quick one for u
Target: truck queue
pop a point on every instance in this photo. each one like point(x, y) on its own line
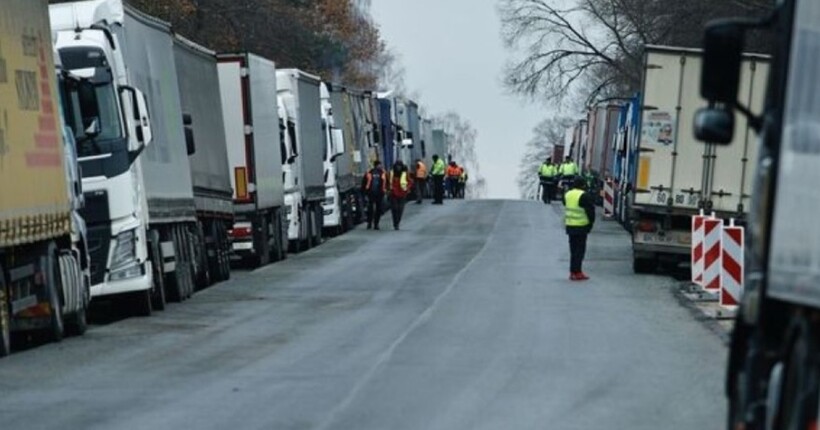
point(151, 163)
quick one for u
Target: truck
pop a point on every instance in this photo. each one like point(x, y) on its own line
point(136, 176)
point(602, 121)
point(772, 373)
point(198, 78)
point(300, 100)
point(558, 153)
point(44, 279)
point(257, 148)
point(675, 178)
point(339, 181)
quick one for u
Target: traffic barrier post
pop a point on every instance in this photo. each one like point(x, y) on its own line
point(731, 283)
point(712, 238)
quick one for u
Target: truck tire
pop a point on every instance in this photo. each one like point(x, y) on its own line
point(203, 273)
point(278, 239)
point(262, 257)
point(225, 252)
point(76, 323)
point(312, 224)
point(5, 316)
point(644, 265)
point(51, 268)
point(798, 400)
point(158, 293)
point(176, 287)
point(319, 217)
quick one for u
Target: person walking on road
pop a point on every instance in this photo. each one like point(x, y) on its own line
point(421, 181)
point(567, 172)
point(462, 182)
point(546, 176)
point(452, 179)
point(400, 186)
point(579, 217)
point(375, 186)
point(437, 173)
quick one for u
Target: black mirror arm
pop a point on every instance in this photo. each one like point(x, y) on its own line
point(755, 121)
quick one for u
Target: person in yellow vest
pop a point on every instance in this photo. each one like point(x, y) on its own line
point(567, 171)
point(579, 217)
point(421, 181)
point(462, 182)
point(437, 173)
point(546, 176)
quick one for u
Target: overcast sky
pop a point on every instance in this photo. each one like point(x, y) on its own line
point(454, 57)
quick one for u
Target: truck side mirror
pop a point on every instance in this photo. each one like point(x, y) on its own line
point(715, 125)
point(338, 141)
point(722, 56)
point(187, 122)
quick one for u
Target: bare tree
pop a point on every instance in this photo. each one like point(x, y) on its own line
point(595, 47)
point(462, 150)
point(546, 134)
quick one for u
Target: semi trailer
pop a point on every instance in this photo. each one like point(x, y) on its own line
point(300, 99)
point(339, 182)
point(258, 147)
point(198, 78)
point(44, 264)
point(676, 178)
point(139, 199)
point(772, 379)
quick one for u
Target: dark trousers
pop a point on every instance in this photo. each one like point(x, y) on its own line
point(438, 189)
point(397, 209)
point(375, 207)
point(577, 250)
point(547, 190)
point(421, 188)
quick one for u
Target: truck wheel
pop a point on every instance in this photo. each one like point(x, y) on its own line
point(51, 268)
point(263, 254)
point(5, 317)
point(158, 294)
point(176, 288)
point(798, 402)
point(76, 322)
point(644, 265)
point(308, 226)
point(278, 240)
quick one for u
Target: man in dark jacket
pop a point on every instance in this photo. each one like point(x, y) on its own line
point(374, 187)
point(579, 217)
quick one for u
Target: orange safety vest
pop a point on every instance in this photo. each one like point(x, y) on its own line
point(453, 171)
point(421, 170)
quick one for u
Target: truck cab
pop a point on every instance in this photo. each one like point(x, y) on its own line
point(334, 206)
point(294, 210)
point(114, 130)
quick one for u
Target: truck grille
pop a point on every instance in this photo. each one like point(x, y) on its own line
point(99, 240)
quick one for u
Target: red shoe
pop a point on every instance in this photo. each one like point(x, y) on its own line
point(581, 276)
point(573, 276)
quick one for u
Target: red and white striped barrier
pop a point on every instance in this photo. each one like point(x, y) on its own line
point(731, 285)
point(609, 199)
point(712, 237)
point(697, 249)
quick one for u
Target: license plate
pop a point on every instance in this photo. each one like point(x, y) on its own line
point(242, 246)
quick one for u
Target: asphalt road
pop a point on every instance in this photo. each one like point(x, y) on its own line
point(462, 320)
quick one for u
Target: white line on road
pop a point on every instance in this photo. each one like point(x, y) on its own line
point(385, 356)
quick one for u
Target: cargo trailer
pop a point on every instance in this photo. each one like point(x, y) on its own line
point(676, 177)
point(256, 152)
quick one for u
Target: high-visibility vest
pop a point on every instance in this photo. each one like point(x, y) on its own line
point(547, 170)
point(421, 170)
point(452, 171)
point(574, 214)
point(438, 168)
point(403, 183)
point(569, 168)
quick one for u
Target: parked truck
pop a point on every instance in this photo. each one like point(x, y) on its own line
point(201, 102)
point(339, 181)
point(772, 380)
point(139, 198)
point(258, 147)
point(44, 282)
point(304, 179)
point(675, 178)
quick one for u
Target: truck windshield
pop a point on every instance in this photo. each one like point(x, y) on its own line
point(94, 106)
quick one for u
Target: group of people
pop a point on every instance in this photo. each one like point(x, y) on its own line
point(550, 175)
point(399, 183)
point(579, 209)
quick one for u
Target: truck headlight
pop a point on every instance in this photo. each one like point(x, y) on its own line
point(124, 263)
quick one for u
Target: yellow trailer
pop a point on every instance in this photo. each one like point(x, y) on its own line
point(40, 261)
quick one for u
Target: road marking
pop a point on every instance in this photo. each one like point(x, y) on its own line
point(387, 354)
